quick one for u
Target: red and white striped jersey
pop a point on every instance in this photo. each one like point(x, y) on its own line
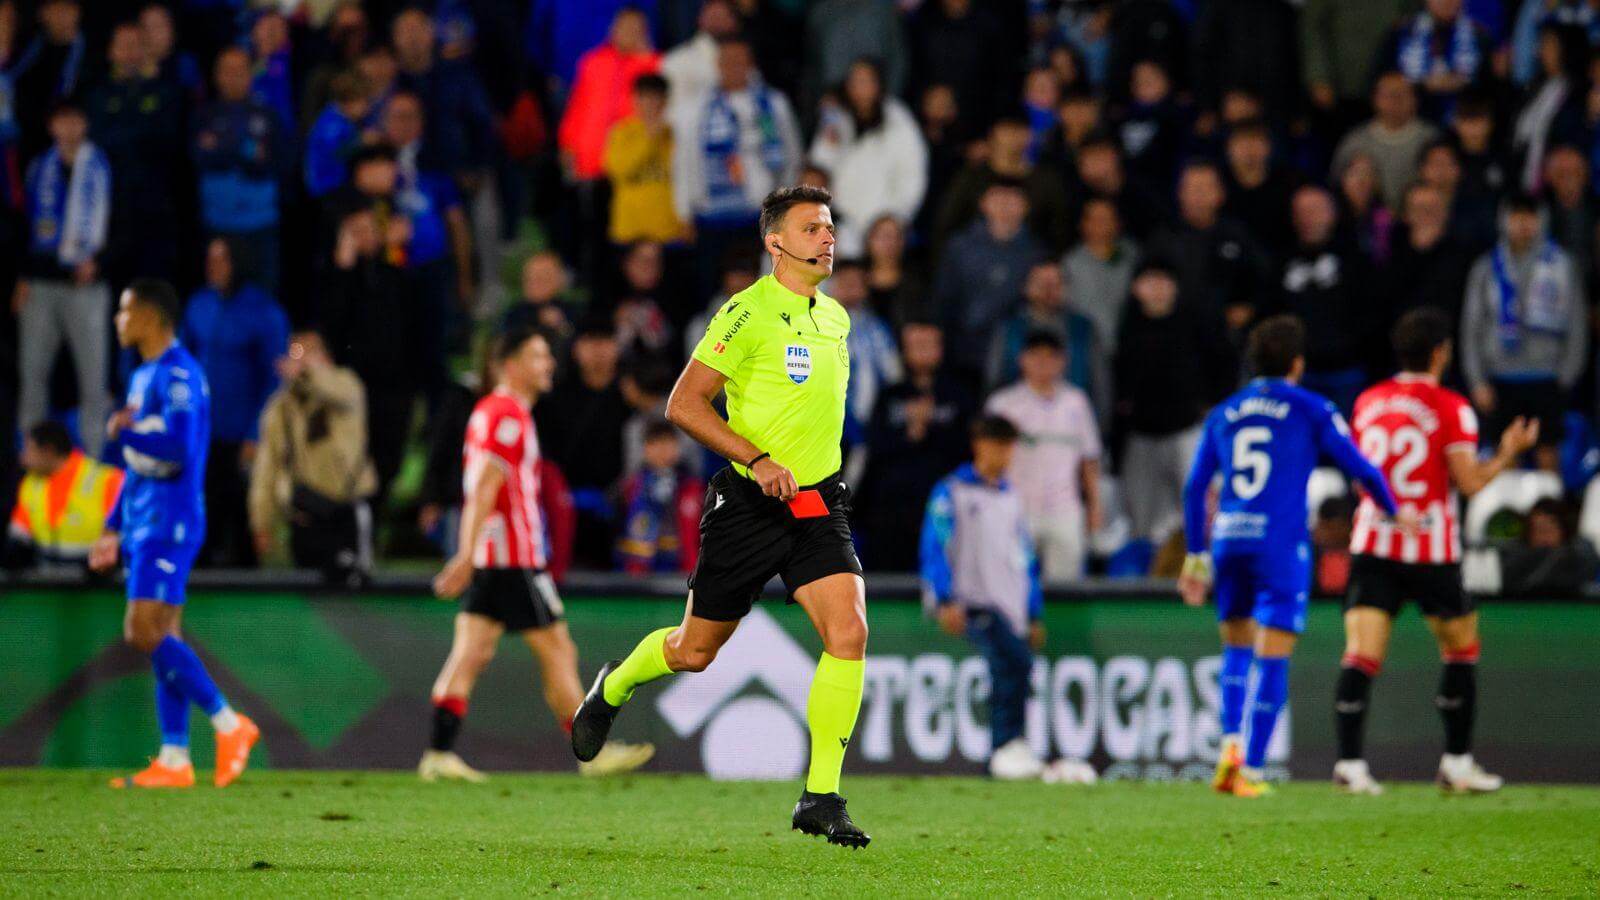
point(501, 433)
point(1407, 427)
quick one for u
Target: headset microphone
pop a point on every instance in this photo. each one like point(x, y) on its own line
point(808, 260)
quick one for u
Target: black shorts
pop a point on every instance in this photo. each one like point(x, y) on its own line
point(747, 537)
point(1538, 399)
point(519, 599)
point(1387, 584)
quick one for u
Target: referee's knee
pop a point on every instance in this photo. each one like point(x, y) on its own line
point(846, 638)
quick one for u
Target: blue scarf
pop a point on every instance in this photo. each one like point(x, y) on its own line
point(719, 138)
point(1416, 59)
point(69, 71)
point(1544, 309)
point(68, 216)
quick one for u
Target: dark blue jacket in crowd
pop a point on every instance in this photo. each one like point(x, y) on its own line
point(560, 31)
point(425, 198)
point(237, 338)
point(329, 145)
point(240, 153)
point(460, 127)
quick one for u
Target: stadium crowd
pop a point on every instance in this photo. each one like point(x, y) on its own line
point(1065, 212)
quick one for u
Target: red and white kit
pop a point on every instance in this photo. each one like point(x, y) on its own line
point(501, 433)
point(1407, 426)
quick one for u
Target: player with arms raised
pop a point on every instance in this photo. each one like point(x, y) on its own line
point(1265, 440)
point(1425, 439)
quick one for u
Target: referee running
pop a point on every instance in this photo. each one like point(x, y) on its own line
point(780, 508)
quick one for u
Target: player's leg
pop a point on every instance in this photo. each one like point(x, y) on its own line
point(1235, 592)
point(1366, 646)
point(144, 625)
point(472, 647)
point(837, 606)
point(1280, 614)
point(557, 659)
point(1457, 701)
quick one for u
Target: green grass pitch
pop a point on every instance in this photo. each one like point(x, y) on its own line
point(62, 832)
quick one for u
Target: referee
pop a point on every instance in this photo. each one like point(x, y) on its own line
point(780, 508)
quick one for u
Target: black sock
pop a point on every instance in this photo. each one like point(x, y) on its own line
point(446, 725)
point(1458, 704)
point(1350, 710)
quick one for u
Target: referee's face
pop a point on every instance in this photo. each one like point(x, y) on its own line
point(808, 232)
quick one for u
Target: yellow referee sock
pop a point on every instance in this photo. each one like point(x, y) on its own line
point(645, 664)
point(831, 712)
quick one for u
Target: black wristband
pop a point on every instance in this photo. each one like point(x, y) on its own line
point(751, 464)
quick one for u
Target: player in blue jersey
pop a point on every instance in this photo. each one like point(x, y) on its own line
point(158, 525)
point(1264, 440)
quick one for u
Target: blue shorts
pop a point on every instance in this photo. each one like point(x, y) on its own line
point(160, 571)
point(1272, 586)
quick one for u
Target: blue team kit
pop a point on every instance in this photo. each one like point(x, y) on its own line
point(161, 512)
point(1265, 440)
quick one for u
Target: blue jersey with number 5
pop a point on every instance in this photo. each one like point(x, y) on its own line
point(1265, 440)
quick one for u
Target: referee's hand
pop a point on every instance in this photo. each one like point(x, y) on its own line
point(775, 480)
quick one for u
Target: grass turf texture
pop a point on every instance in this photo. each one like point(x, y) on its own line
point(341, 833)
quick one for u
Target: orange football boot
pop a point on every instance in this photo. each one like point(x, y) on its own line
point(158, 776)
point(1228, 765)
point(233, 751)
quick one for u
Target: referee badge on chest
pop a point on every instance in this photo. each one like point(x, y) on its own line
point(797, 362)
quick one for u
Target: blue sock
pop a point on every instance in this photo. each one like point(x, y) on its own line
point(1233, 679)
point(1272, 690)
point(177, 665)
point(172, 711)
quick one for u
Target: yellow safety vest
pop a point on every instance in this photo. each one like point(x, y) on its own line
point(64, 513)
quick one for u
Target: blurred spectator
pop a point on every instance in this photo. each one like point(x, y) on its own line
point(942, 134)
point(62, 294)
point(62, 502)
point(1007, 160)
point(1144, 29)
point(871, 146)
point(839, 32)
point(1151, 129)
point(543, 302)
point(242, 154)
point(1472, 223)
point(1249, 44)
point(1077, 119)
point(638, 160)
point(51, 68)
point(1393, 138)
point(580, 428)
point(1099, 270)
point(1085, 30)
point(1041, 91)
point(741, 143)
point(559, 32)
point(1553, 110)
point(642, 325)
point(690, 69)
point(1571, 207)
point(645, 383)
point(378, 66)
point(980, 276)
point(1160, 406)
point(602, 93)
point(960, 43)
point(164, 59)
point(138, 122)
point(1442, 51)
point(1046, 310)
point(1524, 331)
point(874, 356)
point(1221, 268)
point(1056, 469)
point(1532, 19)
point(660, 503)
point(1427, 267)
point(336, 134)
point(271, 85)
point(917, 434)
point(1100, 175)
point(238, 334)
point(1339, 39)
point(896, 291)
point(1484, 174)
point(1258, 191)
point(348, 36)
point(460, 124)
point(371, 317)
point(1330, 287)
point(1551, 560)
point(312, 468)
point(1361, 209)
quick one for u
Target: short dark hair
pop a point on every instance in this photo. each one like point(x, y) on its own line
point(1522, 203)
point(778, 203)
point(1417, 335)
point(1275, 344)
point(66, 107)
point(371, 153)
point(650, 83)
point(509, 342)
point(1251, 127)
point(1042, 338)
point(52, 436)
point(991, 427)
point(1557, 509)
point(659, 429)
point(159, 296)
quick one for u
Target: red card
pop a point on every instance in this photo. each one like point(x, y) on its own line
point(808, 505)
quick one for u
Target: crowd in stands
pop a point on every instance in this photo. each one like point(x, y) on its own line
point(1064, 212)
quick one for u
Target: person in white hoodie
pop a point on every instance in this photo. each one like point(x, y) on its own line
point(871, 146)
point(690, 68)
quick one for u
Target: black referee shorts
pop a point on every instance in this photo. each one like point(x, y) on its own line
point(519, 599)
point(747, 537)
point(1387, 584)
